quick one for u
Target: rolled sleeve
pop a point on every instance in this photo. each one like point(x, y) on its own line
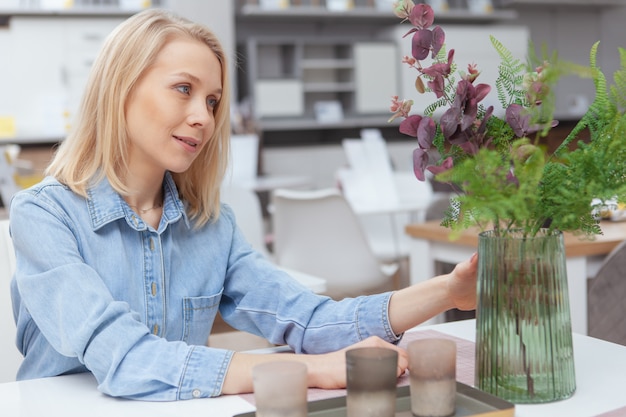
point(204, 373)
point(373, 318)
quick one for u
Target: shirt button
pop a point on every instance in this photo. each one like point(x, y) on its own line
point(196, 393)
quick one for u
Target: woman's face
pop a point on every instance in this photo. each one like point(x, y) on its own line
point(170, 112)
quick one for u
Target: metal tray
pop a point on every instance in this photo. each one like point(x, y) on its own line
point(470, 402)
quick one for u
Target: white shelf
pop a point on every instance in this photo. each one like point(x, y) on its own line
point(70, 12)
point(323, 87)
point(31, 140)
point(586, 3)
point(311, 13)
point(347, 122)
point(327, 63)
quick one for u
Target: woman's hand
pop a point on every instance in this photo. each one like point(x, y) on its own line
point(326, 370)
point(413, 305)
point(330, 369)
point(462, 284)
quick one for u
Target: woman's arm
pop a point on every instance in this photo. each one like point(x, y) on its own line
point(407, 308)
point(418, 303)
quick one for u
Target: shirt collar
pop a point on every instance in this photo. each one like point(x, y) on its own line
point(106, 205)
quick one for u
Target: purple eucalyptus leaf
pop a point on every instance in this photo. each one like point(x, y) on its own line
point(422, 16)
point(437, 86)
point(459, 137)
point(450, 59)
point(421, 44)
point(469, 147)
point(449, 121)
point(440, 68)
point(426, 132)
point(420, 162)
point(439, 38)
point(446, 165)
point(481, 91)
point(409, 125)
point(469, 113)
point(462, 89)
point(511, 178)
point(483, 124)
point(517, 119)
point(537, 127)
point(413, 30)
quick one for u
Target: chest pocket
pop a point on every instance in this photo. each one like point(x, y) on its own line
point(199, 314)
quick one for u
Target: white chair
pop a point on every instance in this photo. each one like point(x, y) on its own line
point(244, 159)
point(317, 232)
point(247, 208)
point(8, 170)
point(10, 357)
point(385, 200)
point(372, 180)
point(384, 223)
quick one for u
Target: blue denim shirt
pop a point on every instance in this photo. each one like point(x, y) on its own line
point(97, 289)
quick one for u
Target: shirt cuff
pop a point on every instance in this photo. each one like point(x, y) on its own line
point(204, 372)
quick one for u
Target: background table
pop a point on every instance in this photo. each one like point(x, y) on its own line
point(430, 242)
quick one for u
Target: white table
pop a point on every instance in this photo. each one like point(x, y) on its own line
point(430, 242)
point(600, 370)
point(268, 183)
point(315, 284)
point(384, 226)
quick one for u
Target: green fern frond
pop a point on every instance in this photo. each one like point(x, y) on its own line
point(600, 110)
point(510, 78)
point(432, 107)
point(618, 89)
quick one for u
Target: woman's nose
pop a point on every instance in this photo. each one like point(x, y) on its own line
point(200, 114)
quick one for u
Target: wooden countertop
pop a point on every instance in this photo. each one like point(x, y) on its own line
point(613, 233)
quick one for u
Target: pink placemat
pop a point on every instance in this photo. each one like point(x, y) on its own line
point(620, 412)
point(464, 366)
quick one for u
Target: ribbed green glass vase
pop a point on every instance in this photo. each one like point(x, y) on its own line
point(524, 350)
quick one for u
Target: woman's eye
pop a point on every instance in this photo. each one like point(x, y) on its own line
point(185, 89)
point(212, 102)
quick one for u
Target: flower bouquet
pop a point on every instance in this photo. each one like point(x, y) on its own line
point(519, 195)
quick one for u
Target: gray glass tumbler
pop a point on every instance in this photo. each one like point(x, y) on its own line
point(432, 372)
point(371, 381)
point(280, 389)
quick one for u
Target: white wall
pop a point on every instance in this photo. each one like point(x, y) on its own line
point(572, 31)
point(44, 69)
point(45, 60)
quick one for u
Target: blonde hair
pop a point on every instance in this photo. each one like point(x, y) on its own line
point(97, 146)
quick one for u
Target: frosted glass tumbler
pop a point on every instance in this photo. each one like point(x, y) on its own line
point(432, 373)
point(371, 374)
point(280, 389)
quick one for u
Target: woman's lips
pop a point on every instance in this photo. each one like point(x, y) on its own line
point(190, 144)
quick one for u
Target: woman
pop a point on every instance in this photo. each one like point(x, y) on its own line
point(124, 254)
